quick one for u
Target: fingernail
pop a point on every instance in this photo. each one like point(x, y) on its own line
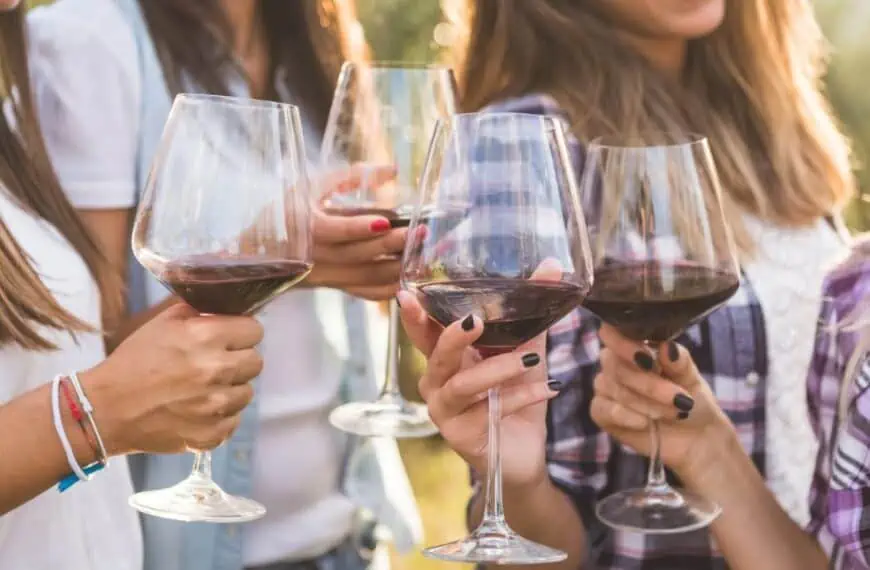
point(468, 323)
point(684, 402)
point(531, 359)
point(643, 360)
point(682, 415)
point(673, 351)
point(554, 385)
point(379, 226)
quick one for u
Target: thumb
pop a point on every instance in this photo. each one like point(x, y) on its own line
point(421, 330)
point(677, 365)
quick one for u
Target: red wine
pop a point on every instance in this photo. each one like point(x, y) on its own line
point(219, 286)
point(655, 302)
point(513, 311)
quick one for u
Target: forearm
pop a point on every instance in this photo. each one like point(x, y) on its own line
point(752, 531)
point(33, 458)
point(545, 515)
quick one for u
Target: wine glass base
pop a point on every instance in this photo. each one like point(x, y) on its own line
point(650, 511)
point(197, 500)
point(496, 549)
point(384, 419)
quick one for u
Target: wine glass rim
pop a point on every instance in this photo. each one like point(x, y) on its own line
point(235, 101)
point(682, 139)
point(391, 64)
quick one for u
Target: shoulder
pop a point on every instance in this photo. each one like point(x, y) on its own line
point(847, 285)
point(92, 31)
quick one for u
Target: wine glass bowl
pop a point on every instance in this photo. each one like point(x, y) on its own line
point(509, 246)
point(225, 223)
point(664, 259)
point(383, 114)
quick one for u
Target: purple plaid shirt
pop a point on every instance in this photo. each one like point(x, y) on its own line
point(840, 495)
point(729, 348)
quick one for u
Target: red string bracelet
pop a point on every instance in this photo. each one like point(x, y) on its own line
point(77, 413)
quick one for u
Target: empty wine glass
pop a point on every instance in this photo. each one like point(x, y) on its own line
point(664, 259)
point(225, 224)
point(384, 114)
point(508, 245)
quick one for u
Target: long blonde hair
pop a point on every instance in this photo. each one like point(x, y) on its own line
point(754, 87)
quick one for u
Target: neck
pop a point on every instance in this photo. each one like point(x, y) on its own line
point(668, 55)
point(242, 17)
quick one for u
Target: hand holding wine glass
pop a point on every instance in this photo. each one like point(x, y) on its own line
point(511, 261)
point(627, 395)
point(225, 223)
point(664, 259)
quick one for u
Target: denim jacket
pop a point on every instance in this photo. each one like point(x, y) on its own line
point(373, 478)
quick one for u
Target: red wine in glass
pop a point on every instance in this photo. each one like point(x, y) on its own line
point(653, 301)
point(218, 286)
point(513, 311)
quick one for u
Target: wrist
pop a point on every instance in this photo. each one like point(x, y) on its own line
point(108, 413)
point(718, 449)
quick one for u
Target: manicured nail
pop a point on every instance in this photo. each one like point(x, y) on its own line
point(554, 385)
point(683, 415)
point(673, 351)
point(468, 323)
point(684, 402)
point(379, 226)
point(531, 359)
point(644, 360)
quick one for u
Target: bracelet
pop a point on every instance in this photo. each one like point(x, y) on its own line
point(76, 412)
point(61, 432)
point(89, 412)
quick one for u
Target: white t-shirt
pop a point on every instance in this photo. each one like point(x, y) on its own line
point(89, 527)
point(87, 88)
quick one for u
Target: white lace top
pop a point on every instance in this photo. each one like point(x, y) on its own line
point(787, 274)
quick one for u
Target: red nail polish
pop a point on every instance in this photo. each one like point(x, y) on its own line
point(379, 226)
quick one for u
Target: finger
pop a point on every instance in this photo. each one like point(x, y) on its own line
point(471, 385)
point(446, 358)
point(375, 273)
point(608, 388)
point(645, 392)
point(361, 250)
point(513, 401)
point(246, 365)
point(678, 366)
point(219, 403)
point(626, 349)
point(549, 270)
point(359, 175)
point(179, 311)
point(235, 333)
point(332, 229)
point(422, 331)
point(238, 398)
point(609, 414)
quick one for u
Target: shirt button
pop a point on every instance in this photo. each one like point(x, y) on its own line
point(753, 378)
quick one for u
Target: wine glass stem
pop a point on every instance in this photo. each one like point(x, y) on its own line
point(202, 465)
point(493, 510)
point(656, 481)
point(391, 386)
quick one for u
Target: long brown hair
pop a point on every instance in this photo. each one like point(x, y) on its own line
point(309, 39)
point(27, 176)
point(753, 87)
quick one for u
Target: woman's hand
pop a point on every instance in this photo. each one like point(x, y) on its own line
point(635, 385)
point(181, 381)
point(455, 387)
point(358, 254)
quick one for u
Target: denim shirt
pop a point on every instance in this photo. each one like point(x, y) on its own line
point(368, 466)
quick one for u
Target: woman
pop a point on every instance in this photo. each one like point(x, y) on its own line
point(104, 72)
point(180, 381)
point(747, 75)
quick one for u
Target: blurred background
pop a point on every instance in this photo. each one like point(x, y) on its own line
point(416, 30)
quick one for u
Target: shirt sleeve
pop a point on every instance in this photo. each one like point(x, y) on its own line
point(84, 69)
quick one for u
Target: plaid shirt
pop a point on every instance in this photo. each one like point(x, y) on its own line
point(729, 348)
point(840, 495)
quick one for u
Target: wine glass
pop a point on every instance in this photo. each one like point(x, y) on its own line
point(510, 246)
point(384, 114)
point(225, 224)
point(664, 259)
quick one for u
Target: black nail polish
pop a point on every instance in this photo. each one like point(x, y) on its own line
point(644, 360)
point(673, 351)
point(684, 403)
point(683, 415)
point(554, 385)
point(531, 359)
point(468, 323)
